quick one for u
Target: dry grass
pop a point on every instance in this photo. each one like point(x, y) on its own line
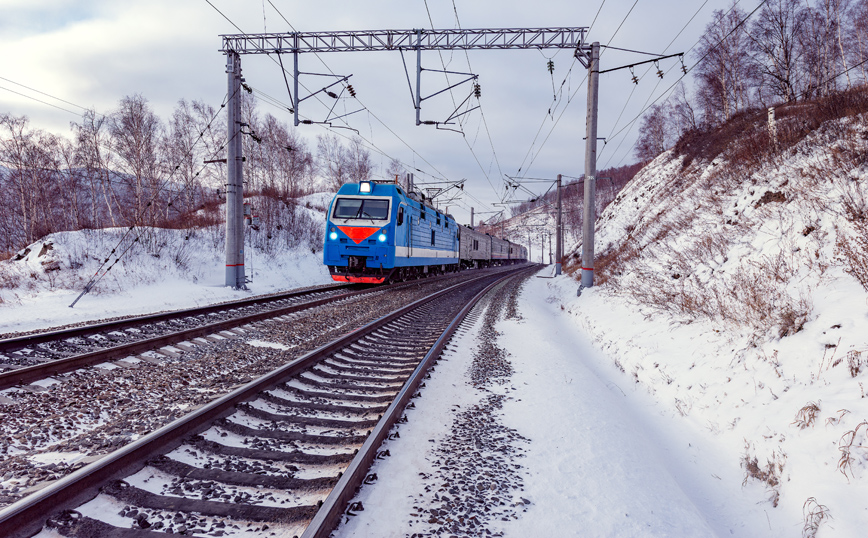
point(851, 442)
point(814, 513)
point(770, 473)
point(854, 362)
point(807, 415)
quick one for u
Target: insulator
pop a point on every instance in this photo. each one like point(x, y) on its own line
point(307, 122)
point(660, 73)
point(683, 67)
point(247, 88)
point(551, 66)
point(477, 90)
point(635, 78)
point(351, 90)
point(333, 95)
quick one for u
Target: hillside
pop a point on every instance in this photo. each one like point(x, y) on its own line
point(732, 281)
point(153, 269)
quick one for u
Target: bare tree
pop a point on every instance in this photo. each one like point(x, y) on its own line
point(683, 114)
point(135, 136)
point(858, 36)
point(396, 169)
point(184, 153)
point(92, 143)
point(14, 148)
point(333, 162)
point(822, 48)
point(775, 45)
point(725, 70)
point(655, 132)
point(360, 165)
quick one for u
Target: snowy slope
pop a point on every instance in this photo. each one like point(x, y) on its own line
point(734, 292)
point(155, 270)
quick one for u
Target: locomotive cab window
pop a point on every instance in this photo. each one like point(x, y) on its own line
point(361, 208)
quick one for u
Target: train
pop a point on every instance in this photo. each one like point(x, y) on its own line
point(378, 232)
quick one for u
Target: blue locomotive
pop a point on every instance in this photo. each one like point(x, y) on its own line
point(378, 232)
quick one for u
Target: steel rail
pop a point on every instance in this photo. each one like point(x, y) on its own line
point(19, 342)
point(29, 374)
point(26, 517)
point(328, 516)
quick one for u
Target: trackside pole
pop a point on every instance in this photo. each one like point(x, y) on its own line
point(590, 169)
point(558, 252)
point(235, 277)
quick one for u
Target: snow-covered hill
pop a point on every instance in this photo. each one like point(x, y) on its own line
point(733, 286)
point(152, 269)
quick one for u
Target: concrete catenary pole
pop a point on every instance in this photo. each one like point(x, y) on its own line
point(590, 169)
point(558, 253)
point(472, 211)
point(235, 277)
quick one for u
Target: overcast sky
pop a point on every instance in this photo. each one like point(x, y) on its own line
point(92, 53)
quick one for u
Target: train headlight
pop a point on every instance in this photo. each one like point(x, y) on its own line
point(382, 238)
point(333, 236)
point(365, 187)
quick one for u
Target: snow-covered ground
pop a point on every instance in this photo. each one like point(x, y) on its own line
point(604, 456)
point(164, 270)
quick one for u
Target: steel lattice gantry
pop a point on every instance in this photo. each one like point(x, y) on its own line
point(378, 40)
point(295, 43)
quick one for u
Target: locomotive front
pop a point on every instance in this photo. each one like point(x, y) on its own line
point(359, 243)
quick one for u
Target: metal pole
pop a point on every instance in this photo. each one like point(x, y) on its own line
point(234, 187)
point(559, 254)
point(418, 76)
point(529, 247)
point(471, 217)
point(550, 249)
point(295, 82)
point(590, 169)
point(542, 252)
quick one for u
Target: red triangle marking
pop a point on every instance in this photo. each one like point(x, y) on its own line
point(358, 233)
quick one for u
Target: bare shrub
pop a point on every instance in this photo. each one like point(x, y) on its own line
point(9, 279)
point(853, 250)
point(814, 513)
point(854, 441)
point(854, 362)
point(834, 421)
point(807, 415)
point(770, 473)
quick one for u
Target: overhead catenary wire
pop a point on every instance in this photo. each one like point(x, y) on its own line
point(569, 100)
point(370, 112)
point(682, 77)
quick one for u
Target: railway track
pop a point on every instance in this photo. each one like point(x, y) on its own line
point(29, 358)
point(52, 349)
point(279, 456)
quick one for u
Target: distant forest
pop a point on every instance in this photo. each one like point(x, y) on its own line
point(131, 167)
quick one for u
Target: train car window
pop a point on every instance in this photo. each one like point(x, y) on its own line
point(400, 216)
point(422, 215)
point(438, 219)
point(432, 238)
point(361, 208)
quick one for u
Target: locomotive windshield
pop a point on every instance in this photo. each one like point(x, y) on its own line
point(361, 208)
